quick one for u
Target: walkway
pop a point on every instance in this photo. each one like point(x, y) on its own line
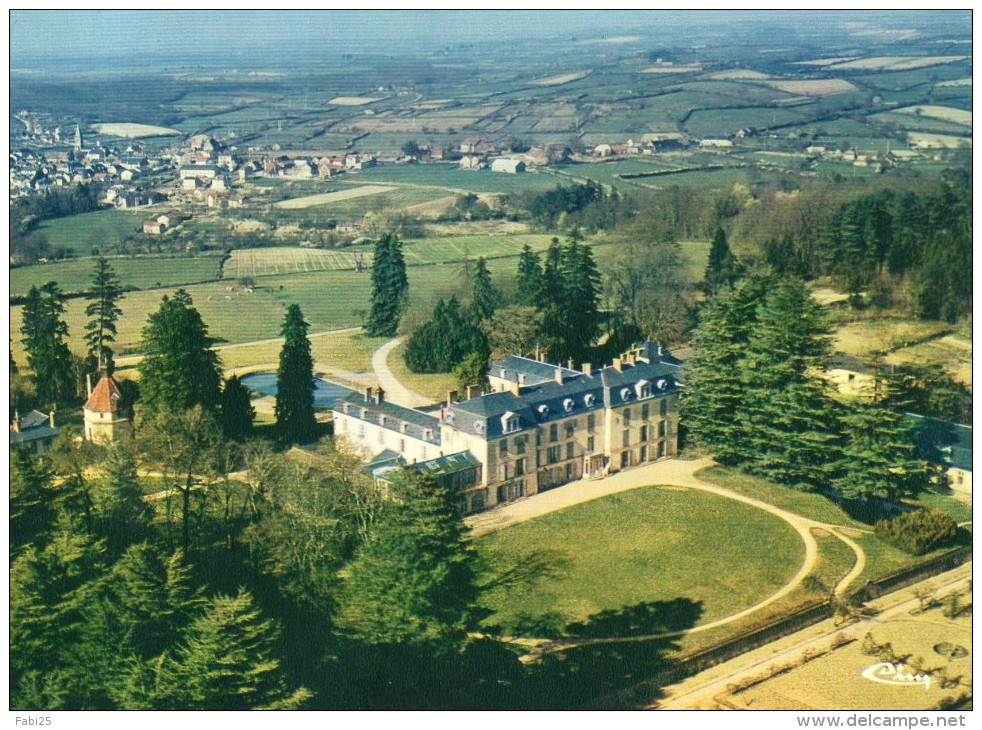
point(395, 391)
point(671, 472)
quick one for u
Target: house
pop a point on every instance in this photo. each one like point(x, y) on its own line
point(469, 145)
point(104, 414)
point(154, 228)
point(201, 172)
point(948, 445)
point(542, 425)
point(472, 162)
point(35, 431)
point(508, 165)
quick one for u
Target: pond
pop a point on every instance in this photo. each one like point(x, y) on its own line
point(325, 394)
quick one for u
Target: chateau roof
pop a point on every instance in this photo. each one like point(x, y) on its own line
point(105, 397)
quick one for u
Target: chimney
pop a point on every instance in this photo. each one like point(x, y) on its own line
point(618, 365)
point(15, 427)
point(379, 395)
point(451, 397)
point(632, 359)
point(51, 418)
point(368, 393)
point(587, 369)
point(569, 364)
point(514, 387)
point(470, 392)
point(88, 385)
point(559, 375)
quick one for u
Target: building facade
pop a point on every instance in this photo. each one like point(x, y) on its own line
point(542, 425)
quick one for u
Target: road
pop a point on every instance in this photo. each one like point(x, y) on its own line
point(395, 391)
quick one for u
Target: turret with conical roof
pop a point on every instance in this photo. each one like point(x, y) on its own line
point(104, 412)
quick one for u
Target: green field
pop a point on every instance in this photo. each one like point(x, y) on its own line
point(82, 233)
point(449, 175)
point(643, 546)
point(140, 272)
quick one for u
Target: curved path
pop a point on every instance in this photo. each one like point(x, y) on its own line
point(394, 390)
point(672, 472)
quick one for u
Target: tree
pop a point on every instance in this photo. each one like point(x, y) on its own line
point(472, 371)
point(103, 311)
point(179, 370)
point(124, 514)
point(413, 582)
point(235, 409)
point(529, 282)
point(515, 330)
point(32, 496)
point(226, 662)
point(485, 299)
point(721, 267)
point(581, 295)
point(295, 382)
point(44, 334)
point(445, 341)
point(390, 287)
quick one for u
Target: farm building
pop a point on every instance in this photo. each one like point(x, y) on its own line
point(154, 228)
point(542, 426)
point(472, 162)
point(719, 143)
point(507, 164)
point(36, 431)
point(201, 172)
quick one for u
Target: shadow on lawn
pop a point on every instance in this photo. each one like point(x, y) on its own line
point(487, 675)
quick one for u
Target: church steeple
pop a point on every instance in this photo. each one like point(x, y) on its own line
point(78, 137)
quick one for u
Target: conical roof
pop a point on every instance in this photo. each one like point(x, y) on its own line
point(105, 396)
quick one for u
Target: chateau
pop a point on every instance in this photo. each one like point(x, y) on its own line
point(542, 425)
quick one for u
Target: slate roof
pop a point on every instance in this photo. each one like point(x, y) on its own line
point(34, 426)
point(942, 442)
point(416, 421)
point(533, 370)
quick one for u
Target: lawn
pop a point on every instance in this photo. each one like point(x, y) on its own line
point(142, 272)
point(432, 385)
point(647, 545)
point(82, 233)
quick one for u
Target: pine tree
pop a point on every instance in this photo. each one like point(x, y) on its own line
point(294, 410)
point(103, 311)
point(390, 288)
point(125, 516)
point(485, 297)
point(31, 498)
point(529, 281)
point(721, 267)
point(179, 369)
point(413, 582)
point(44, 334)
point(581, 292)
point(226, 662)
point(235, 409)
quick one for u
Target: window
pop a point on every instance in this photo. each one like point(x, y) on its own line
point(589, 400)
point(626, 438)
point(520, 446)
point(627, 416)
point(661, 449)
point(644, 435)
point(519, 467)
point(509, 422)
point(589, 444)
point(381, 421)
point(625, 459)
point(403, 426)
point(427, 433)
point(553, 432)
point(553, 454)
point(364, 413)
point(543, 412)
point(569, 450)
point(625, 394)
point(346, 407)
point(402, 446)
point(645, 412)
point(503, 447)
point(591, 422)
point(663, 407)
point(661, 428)
point(643, 389)
point(568, 405)
point(570, 428)
point(644, 454)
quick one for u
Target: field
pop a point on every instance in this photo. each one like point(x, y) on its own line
point(353, 100)
point(134, 130)
point(80, 233)
point(310, 201)
point(946, 113)
point(636, 549)
point(866, 337)
point(451, 177)
point(139, 272)
point(814, 87)
point(561, 79)
point(894, 63)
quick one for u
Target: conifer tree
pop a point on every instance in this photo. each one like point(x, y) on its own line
point(44, 334)
point(179, 369)
point(485, 297)
point(103, 311)
point(529, 281)
point(413, 582)
point(226, 662)
point(125, 516)
point(581, 293)
point(235, 409)
point(294, 409)
point(390, 287)
point(721, 267)
point(31, 498)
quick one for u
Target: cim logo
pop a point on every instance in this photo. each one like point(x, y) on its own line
point(887, 673)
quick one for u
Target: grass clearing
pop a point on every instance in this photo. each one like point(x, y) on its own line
point(99, 229)
point(353, 100)
point(634, 549)
point(865, 337)
point(310, 201)
point(561, 79)
point(814, 87)
point(141, 272)
point(945, 113)
point(432, 385)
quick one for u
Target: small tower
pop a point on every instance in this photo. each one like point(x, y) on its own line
point(78, 137)
point(105, 418)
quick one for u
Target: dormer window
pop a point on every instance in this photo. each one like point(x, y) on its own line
point(625, 394)
point(479, 426)
point(509, 422)
point(502, 371)
point(643, 388)
point(568, 404)
point(427, 433)
point(364, 413)
point(661, 384)
point(543, 411)
point(403, 426)
point(381, 421)
point(346, 407)
point(589, 399)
